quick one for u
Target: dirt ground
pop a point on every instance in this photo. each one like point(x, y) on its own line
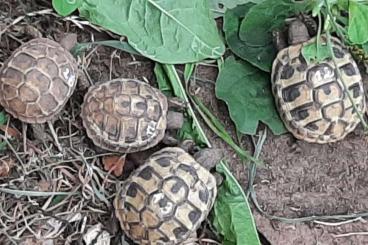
point(297, 180)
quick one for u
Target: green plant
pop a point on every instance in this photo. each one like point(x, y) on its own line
point(232, 216)
point(171, 32)
point(247, 92)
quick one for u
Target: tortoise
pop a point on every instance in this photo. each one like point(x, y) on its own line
point(310, 96)
point(38, 78)
point(127, 115)
point(166, 199)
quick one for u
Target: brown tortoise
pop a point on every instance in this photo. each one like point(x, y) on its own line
point(127, 115)
point(166, 199)
point(311, 97)
point(37, 80)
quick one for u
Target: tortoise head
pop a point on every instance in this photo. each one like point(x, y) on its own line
point(298, 32)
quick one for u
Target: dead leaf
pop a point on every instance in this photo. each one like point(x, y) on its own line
point(10, 131)
point(114, 163)
point(5, 166)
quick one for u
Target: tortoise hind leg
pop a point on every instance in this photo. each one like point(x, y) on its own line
point(175, 120)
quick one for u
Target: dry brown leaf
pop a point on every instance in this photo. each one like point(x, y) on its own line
point(10, 131)
point(5, 166)
point(114, 163)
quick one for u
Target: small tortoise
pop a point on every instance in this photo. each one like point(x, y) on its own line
point(37, 80)
point(166, 199)
point(127, 115)
point(311, 97)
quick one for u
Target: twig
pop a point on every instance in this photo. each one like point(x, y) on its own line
point(339, 223)
point(362, 233)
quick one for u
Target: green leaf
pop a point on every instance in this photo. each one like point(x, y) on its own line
point(317, 6)
point(162, 80)
point(343, 4)
point(259, 56)
point(358, 22)
point(170, 32)
point(218, 7)
point(232, 215)
point(310, 52)
point(247, 92)
point(66, 7)
point(256, 28)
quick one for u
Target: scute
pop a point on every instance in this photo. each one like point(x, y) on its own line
point(124, 115)
point(311, 98)
point(172, 208)
point(32, 73)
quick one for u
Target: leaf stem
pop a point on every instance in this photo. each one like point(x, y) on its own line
point(319, 35)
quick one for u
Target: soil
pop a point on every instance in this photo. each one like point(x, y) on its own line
point(297, 179)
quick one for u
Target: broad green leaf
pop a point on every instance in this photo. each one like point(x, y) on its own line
point(171, 32)
point(247, 92)
point(232, 215)
point(358, 22)
point(310, 52)
point(259, 56)
point(189, 130)
point(256, 28)
point(66, 7)
point(218, 7)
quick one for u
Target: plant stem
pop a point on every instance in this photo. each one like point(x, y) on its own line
point(319, 36)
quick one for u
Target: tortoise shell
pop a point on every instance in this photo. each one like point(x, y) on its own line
point(166, 199)
point(311, 98)
point(125, 115)
point(37, 80)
